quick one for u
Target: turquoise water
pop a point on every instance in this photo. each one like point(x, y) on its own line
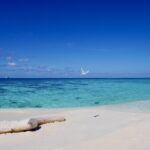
point(18, 93)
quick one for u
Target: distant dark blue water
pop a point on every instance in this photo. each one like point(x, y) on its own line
point(55, 93)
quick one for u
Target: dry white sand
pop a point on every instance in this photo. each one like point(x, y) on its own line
point(95, 128)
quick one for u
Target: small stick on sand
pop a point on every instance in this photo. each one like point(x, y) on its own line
point(26, 125)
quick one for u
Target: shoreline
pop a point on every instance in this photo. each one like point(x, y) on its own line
point(86, 128)
point(128, 104)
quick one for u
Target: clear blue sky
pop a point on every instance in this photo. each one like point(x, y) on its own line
point(51, 38)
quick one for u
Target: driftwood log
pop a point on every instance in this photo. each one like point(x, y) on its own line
point(27, 124)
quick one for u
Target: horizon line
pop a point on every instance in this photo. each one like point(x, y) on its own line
point(75, 78)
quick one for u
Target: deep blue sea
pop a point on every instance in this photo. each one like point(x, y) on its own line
point(58, 93)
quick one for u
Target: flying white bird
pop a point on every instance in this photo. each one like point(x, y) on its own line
point(84, 72)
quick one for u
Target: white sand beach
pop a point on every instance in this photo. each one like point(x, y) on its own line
point(93, 128)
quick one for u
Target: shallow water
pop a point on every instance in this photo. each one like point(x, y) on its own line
point(21, 93)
